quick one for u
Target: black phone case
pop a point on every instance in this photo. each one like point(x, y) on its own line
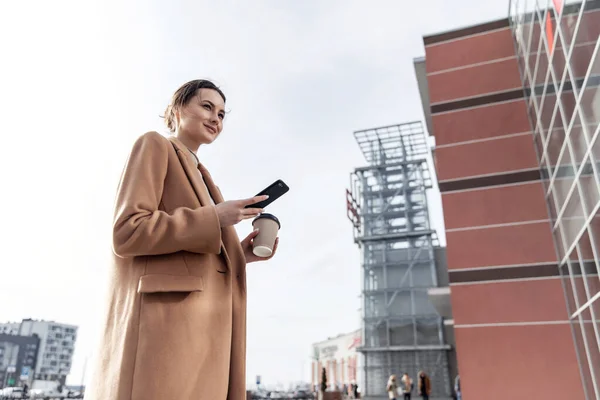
point(274, 190)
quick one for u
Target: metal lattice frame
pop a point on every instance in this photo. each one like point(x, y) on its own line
point(388, 206)
point(548, 43)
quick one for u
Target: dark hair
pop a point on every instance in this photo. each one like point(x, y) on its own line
point(183, 95)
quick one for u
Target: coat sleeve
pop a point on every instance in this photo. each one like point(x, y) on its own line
point(139, 227)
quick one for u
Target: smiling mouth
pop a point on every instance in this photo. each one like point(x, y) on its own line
point(210, 128)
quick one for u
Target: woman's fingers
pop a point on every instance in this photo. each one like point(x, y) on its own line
point(251, 211)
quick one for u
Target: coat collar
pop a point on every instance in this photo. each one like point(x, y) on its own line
point(204, 188)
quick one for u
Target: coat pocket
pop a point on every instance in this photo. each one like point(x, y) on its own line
point(160, 283)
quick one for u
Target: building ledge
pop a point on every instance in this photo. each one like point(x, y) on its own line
point(392, 236)
point(440, 298)
point(363, 349)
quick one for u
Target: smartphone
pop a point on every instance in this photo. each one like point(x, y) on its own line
point(274, 190)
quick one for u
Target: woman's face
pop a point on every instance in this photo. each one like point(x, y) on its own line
point(201, 119)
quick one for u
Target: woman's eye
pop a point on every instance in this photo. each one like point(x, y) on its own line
point(207, 106)
point(222, 116)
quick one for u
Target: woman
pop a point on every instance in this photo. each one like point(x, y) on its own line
point(175, 327)
point(407, 386)
point(392, 387)
point(424, 385)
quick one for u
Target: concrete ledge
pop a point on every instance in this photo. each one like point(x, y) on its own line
point(440, 298)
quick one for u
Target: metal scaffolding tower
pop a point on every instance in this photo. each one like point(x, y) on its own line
point(387, 204)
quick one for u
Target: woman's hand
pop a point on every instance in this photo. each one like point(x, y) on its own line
point(231, 212)
point(247, 248)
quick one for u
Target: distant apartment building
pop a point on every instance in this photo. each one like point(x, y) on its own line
point(56, 346)
point(18, 357)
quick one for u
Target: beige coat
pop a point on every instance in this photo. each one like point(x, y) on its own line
point(175, 326)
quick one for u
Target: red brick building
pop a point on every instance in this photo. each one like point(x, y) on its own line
point(518, 257)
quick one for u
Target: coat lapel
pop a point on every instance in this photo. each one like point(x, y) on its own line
point(232, 250)
point(204, 189)
point(192, 174)
point(210, 185)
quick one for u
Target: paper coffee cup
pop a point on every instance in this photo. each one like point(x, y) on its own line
point(268, 226)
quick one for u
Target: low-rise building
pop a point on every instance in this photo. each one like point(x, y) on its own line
point(340, 359)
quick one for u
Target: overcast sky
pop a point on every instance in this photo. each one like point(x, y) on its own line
point(81, 80)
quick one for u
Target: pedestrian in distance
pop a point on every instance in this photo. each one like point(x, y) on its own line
point(424, 385)
point(392, 387)
point(407, 386)
point(457, 389)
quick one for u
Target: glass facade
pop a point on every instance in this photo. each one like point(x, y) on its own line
point(557, 45)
